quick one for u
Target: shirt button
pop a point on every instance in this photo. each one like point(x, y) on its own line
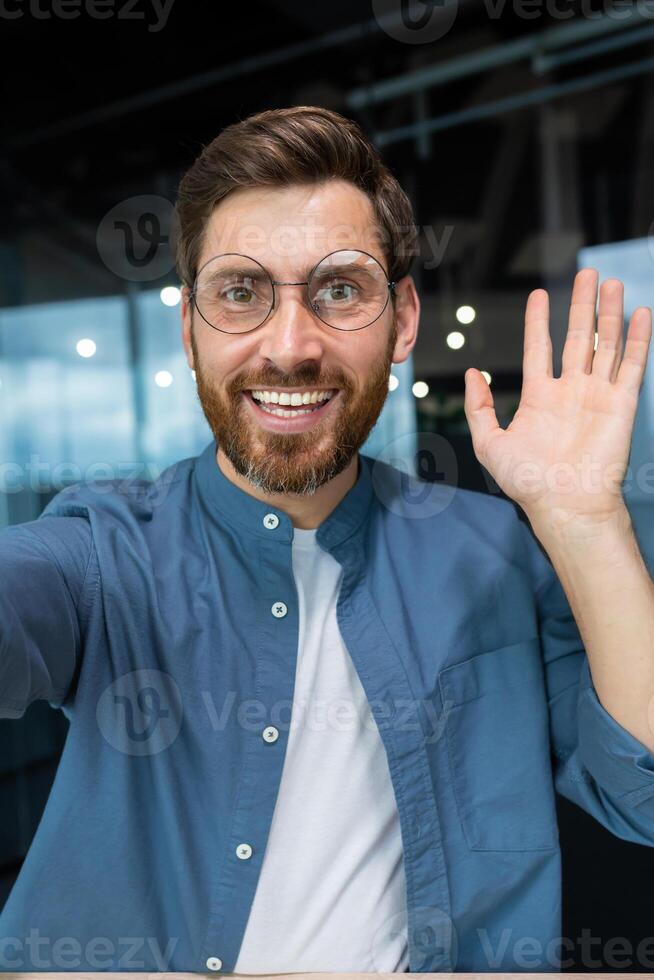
point(279, 609)
point(213, 963)
point(270, 734)
point(244, 851)
point(271, 521)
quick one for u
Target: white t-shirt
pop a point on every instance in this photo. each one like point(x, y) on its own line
point(331, 892)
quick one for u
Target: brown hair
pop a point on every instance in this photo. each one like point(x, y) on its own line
point(279, 147)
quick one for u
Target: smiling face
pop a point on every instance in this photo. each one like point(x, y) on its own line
point(289, 230)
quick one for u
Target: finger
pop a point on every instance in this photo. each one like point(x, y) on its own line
point(537, 353)
point(479, 409)
point(580, 339)
point(632, 369)
point(610, 324)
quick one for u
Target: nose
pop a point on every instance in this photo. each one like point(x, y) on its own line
point(292, 333)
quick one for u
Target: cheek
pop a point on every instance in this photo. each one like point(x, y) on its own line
point(221, 364)
point(367, 357)
point(357, 353)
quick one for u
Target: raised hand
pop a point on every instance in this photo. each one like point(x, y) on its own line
point(565, 453)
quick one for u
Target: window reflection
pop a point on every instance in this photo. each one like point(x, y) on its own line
point(100, 388)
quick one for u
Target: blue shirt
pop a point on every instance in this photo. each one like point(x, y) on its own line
point(162, 617)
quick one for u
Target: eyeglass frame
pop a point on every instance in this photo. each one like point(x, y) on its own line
point(390, 287)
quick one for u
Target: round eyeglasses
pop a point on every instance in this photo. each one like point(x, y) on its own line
point(348, 290)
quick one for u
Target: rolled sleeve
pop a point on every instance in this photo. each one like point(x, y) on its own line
point(597, 764)
point(617, 760)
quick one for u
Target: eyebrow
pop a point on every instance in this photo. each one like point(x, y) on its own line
point(256, 273)
point(233, 270)
point(345, 266)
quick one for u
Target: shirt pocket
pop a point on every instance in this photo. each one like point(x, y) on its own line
point(497, 731)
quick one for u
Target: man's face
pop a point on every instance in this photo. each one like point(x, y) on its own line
point(288, 230)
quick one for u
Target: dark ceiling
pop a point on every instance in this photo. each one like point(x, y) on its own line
point(96, 110)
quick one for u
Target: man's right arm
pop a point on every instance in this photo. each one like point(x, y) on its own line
point(47, 574)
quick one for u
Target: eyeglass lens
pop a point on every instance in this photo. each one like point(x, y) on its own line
point(348, 289)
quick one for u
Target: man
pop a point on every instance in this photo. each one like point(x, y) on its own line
point(318, 715)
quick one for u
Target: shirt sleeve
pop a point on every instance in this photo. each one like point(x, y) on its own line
point(46, 575)
point(597, 763)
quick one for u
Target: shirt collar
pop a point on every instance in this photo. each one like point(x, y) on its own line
point(230, 503)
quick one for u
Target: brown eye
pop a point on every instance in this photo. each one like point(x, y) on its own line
point(337, 291)
point(242, 294)
point(341, 291)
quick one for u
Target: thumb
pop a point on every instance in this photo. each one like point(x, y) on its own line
point(479, 409)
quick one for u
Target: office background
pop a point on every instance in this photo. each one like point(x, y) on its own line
point(523, 133)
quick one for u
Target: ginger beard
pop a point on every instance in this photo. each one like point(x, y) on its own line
point(294, 462)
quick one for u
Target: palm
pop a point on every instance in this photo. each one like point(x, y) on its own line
point(567, 447)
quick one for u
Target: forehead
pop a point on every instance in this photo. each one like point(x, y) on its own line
point(289, 229)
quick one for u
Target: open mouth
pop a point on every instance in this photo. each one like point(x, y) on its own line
point(291, 417)
point(292, 411)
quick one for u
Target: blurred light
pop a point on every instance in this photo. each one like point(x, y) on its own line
point(420, 389)
point(393, 382)
point(193, 374)
point(170, 295)
point(596, 339)
point(466, 314)
point(85, 347)
point(455, 340)
point(163, 378)
point(488, 377)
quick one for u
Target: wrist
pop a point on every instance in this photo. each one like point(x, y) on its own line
point(579, 529)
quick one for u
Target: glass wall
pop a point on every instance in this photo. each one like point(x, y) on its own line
point(100, 388)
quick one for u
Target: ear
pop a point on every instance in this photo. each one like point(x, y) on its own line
point(187, 326)
point(407, 318)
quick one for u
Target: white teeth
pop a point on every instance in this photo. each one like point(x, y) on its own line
point(286, 415)
point(296, 398)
